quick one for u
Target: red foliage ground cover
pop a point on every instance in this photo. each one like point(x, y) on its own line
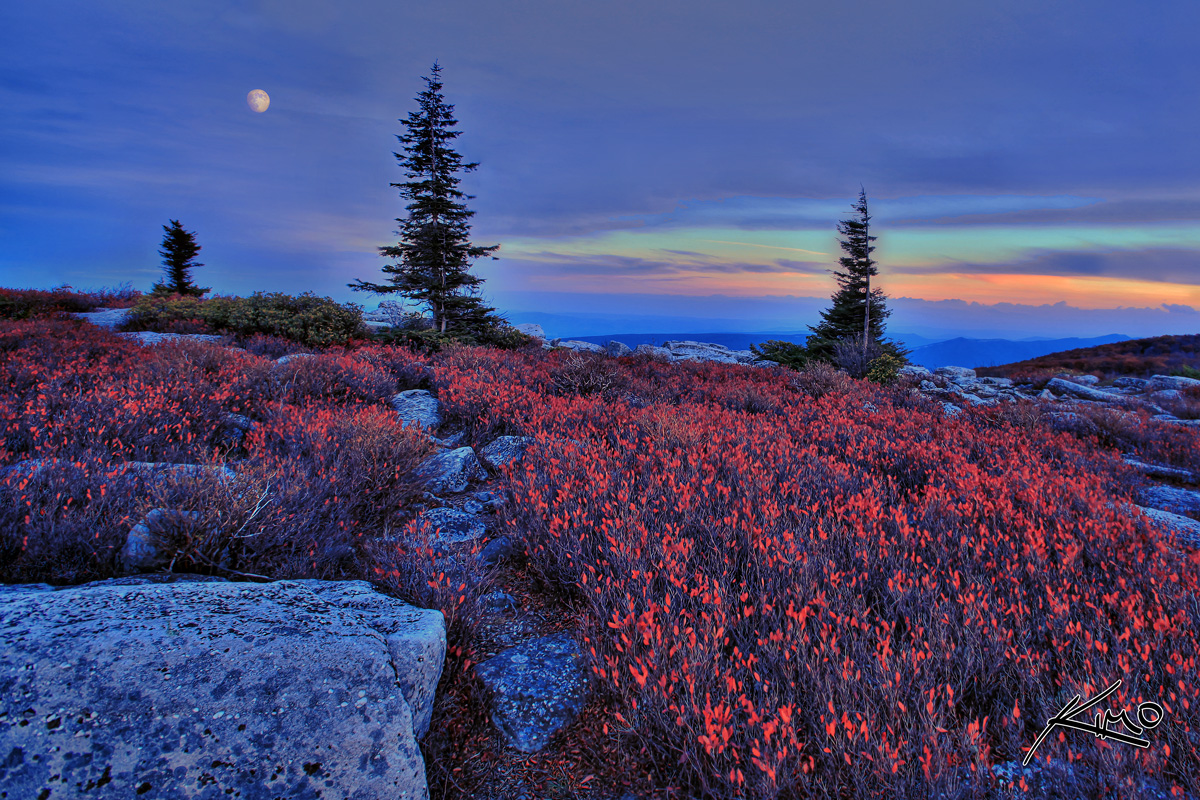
point(325, 459)
point(850, 596)
point(789, 588)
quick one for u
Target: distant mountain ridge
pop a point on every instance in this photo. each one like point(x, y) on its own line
point(973, 353)
point(734, 341)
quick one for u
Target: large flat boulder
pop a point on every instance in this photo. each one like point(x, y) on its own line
point(214, 690)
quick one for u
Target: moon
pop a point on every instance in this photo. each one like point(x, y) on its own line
point(258, 100)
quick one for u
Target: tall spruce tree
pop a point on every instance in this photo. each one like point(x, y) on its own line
point(434, 253)
point(859, 310)
point(178, 251)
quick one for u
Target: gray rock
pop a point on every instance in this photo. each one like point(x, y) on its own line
point(473, 507)
point(449, 442)
point(532, 329)
point(1159, 382)
point(617, 349)
point(956, 374)
point(491, 501)
point(282, 360)
point(106, 317)
point(151, 337)
point(214, 689)
point(915, 371)
point(451, 471)
point(416, 640)
point(1086, 380)
point(496, 551)
point(1131, 384)
point(1072, 389)
point(1169, 498)
point(951, 409)
point(1161, 471)
point(1000, 383)
point(535, 689)
point(980, 389)
point(1046, 394)
point(417, 407)
point(147, 546)
point(504, 450)
point(980, 401)
point(1166, 395)
point(1185, 528)
point(450, 526)
point(652, 351)
point(928, 386)
point(701, 351)
point(584, 347)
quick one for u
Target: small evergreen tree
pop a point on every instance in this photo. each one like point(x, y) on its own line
point(435, 252)
point(859, 310)
point(178, 253)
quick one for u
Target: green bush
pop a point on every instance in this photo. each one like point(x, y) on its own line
point(885, 368)
point(418, 338)
point(305, 319)
point(1187, 371)
point(787, 354)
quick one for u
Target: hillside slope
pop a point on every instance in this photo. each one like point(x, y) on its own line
point(963, 352)
point(1159, 355)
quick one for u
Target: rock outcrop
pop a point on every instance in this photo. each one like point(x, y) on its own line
point(215, 689)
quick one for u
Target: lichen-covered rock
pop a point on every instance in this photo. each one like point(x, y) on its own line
point(283, 360)
point(1162, 471)
point(914, 370)
point(703, 351)
point(581, 347)
point(451, 471)
point(212, 690)
point(1130, 383)
point(451, 526)
point(956, 374)
point(153, 337)
point(417, 407)
point(652, 351)
point(1161, 382)
point(617, 349)
point(110, 318)
point(1169, 498)
point(1185, 528)
point(536, 689)
point(532, 329)
point(1060, 386)
point(504, 450)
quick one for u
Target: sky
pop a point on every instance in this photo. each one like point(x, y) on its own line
point(1032, 166)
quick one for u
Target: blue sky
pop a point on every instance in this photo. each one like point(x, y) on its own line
point(1033, 163)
